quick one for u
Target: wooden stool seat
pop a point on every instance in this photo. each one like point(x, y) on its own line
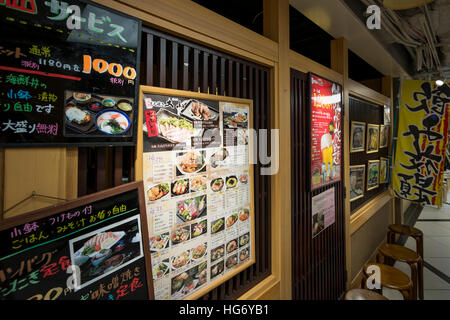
point(363, 294)
point(399, 253)
point(412, 258)
point(391, 277)
point(405, 230)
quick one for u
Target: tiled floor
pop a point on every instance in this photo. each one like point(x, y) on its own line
point(436, 254)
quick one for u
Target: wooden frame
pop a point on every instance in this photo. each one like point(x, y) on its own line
point(363, 183)
point(383, 130)
point(372, 126)
point(46, 212)
point(386, 161)
point(140, 174)
point(368, 174)
point(353, 126)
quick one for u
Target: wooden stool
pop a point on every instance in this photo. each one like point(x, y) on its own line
point(392, 278)
point(363, 294)
point(408, 256)
point(409, 231)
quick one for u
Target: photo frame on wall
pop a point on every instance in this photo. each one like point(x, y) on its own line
point(384, 170)
point(384, 136)
point(357, 181)
point(373, 174)
point(358, 136)
point(373, 138)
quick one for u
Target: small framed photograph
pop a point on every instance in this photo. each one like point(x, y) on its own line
point(373, 174)
point(358, 136)
point(384, 136)
point(357, 180)
point(373, 138)
point(384, 170)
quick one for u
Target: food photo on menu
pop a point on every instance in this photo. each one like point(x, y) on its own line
point(158, 191)
point(161, 269)
point(160, 242)
point(217, 269)
point(188, 281)
point(106, 250)
point(88, 114)
point(190, 162)
point(172, 123)
point(191, 209)
point(219, 158)
point(197, 229)
point(217, 253)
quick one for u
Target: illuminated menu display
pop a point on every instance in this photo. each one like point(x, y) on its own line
point(68, 74)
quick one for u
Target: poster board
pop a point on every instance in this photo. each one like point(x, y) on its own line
point(69, 74)
point(157, 165)
point(325, 123)
point(91, 248)
point(323, 211)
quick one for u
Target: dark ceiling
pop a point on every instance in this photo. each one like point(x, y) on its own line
point(306, 37)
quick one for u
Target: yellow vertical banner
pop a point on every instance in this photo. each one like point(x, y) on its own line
point(421, 142)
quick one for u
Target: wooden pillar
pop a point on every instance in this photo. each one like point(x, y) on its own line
point(387, 89)
point(339, 63)
point(276, 27)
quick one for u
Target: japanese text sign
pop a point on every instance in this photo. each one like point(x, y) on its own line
point(92, 248)
point(421, 144)
point(326, 131)
point(68, 74)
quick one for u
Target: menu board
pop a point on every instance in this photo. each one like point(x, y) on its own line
point(198, 183)
point(92, 248)
point(68, 74)
point(326, 131)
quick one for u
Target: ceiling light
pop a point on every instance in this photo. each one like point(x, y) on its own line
point(439, 83)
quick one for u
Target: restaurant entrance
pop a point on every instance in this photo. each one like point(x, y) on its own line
point(318, 257)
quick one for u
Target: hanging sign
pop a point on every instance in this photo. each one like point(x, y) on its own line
point(326, 131)
point(198, 182)
point(421, 144)
point(68, 74)
point(92, 248)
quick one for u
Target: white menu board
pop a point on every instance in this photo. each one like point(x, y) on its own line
point(198, 182)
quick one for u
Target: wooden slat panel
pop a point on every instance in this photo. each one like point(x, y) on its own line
point(118, 165)
point(222, 76)
point(185, 68)
point(162, 63)
point(318, 264)
point(205, 72)
point(82, 171)
point(174, 66)
point(207, 68)
point(213, 74)
point(196, 71)
point(100, 169)
point(149, 59)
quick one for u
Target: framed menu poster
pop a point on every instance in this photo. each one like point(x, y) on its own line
point(92, 248)
point(194, 158)
point(69, 74)
point(326, 131)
